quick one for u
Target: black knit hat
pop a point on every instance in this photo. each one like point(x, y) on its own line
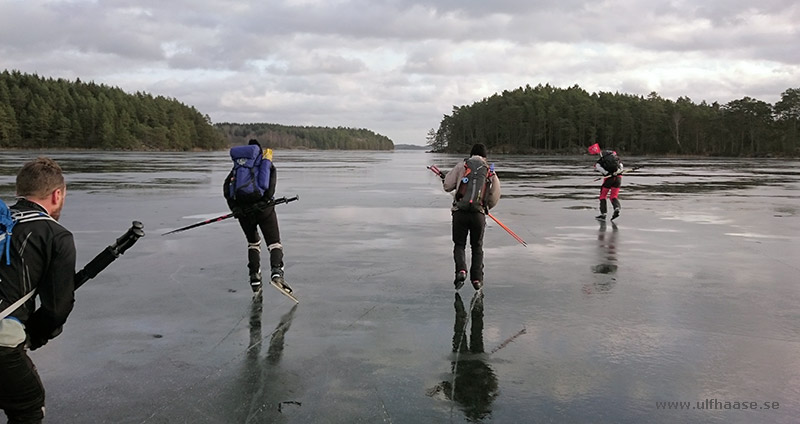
point(478, 149)
point(254, 141)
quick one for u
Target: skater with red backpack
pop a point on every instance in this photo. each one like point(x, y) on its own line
point(477, 189)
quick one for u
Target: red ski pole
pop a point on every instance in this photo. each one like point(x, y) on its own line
point(436, 171)
point(516, 237)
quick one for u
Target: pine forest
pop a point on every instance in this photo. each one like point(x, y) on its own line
point(550, 120)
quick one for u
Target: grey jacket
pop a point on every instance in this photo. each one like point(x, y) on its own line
point(453, 178)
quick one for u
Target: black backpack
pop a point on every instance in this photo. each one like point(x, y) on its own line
point(609, 161)
point(472, 188)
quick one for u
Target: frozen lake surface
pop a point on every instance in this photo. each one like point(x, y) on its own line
point(686, 310)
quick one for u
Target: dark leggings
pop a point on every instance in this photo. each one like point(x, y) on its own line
point(21, 390)
point(267, 220)
point(472, 223)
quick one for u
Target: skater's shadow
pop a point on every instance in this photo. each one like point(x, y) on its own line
point(261, 383)
point(473, 384)
point(254, 347)
point(275, 349)
point(606, 266)
point(276, 341)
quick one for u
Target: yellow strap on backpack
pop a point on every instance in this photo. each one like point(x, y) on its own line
point(267, 154)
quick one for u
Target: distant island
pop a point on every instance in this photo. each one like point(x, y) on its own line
point(45, 113)
point(306, 137)
point(551, 120)
point(410, 147)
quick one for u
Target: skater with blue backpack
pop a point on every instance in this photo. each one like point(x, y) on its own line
point(37, 258)
point(251, 183)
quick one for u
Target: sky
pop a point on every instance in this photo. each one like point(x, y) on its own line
point(397, 67)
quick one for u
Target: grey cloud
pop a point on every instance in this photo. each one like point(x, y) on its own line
point(400, 64)
point(321, 64)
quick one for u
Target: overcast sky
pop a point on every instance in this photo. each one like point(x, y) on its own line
point(397, 66)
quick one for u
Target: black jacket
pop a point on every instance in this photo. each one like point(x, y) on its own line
point(42, 258)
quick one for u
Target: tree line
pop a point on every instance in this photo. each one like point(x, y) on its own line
point(323, 138)
point(38, 112)
point(551, 120)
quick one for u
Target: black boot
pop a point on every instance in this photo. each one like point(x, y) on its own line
point(477, 284)
point(603, 209)
point(461, 276)
point(277, 279)
point(255, 281)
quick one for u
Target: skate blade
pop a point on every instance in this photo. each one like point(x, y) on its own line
point(284, 292)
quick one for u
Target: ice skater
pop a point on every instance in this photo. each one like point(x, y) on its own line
point(253, 179)
point(611, 168)
point(477, 189)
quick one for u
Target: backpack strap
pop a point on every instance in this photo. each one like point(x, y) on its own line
point(28, 216)
point(18, 217)
point(14, 306)
point(21, 217)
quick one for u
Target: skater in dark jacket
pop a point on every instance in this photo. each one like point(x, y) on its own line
point(611, 168)
point(252, 218)
point(40, 262)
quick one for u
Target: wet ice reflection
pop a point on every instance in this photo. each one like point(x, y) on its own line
point(690, 295)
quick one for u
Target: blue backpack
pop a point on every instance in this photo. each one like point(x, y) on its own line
point(6, 225)
point(249, 178)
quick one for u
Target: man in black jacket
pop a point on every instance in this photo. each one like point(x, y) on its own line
point(42, 257)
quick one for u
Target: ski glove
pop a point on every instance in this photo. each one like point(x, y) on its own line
point(35, 341)
point(238, 212)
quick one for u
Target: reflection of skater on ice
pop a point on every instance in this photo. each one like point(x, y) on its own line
point(474, 384)
point(606, 267)
point(261, 380)
point(275, 349)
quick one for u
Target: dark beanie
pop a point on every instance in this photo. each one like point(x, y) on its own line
point(254, 141)
point(478, 149)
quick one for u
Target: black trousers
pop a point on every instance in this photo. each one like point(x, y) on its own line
point(267, 221)
point(21, 389)
point(472, 224)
